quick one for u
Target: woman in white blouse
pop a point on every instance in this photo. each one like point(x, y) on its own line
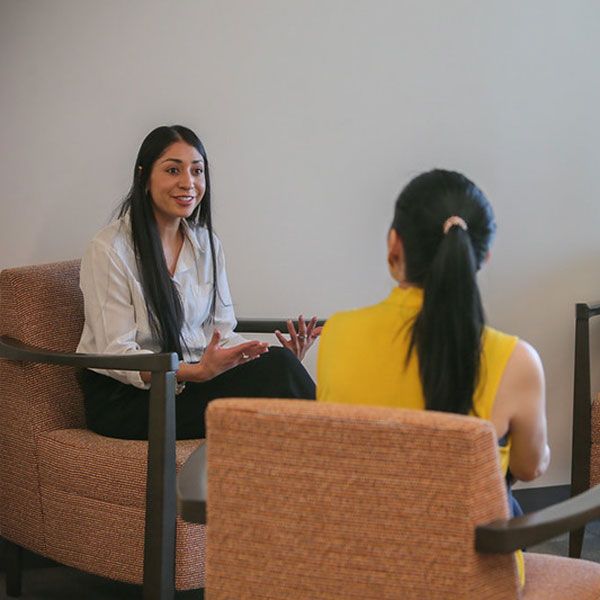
point(154, 281)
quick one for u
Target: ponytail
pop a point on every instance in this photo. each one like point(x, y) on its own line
point(446, 225)
point(447, 331)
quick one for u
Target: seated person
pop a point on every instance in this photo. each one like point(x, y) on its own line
point(154, 280)
point(427, 346)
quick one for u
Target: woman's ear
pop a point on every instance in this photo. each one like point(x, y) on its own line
point(396, 256)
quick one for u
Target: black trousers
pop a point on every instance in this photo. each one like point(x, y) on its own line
point(115, 409)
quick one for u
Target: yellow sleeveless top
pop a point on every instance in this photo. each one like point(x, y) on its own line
point(361, 361)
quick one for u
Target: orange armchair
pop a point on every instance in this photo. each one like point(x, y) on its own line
point(98, 504)
point(326, 501)
point(585, 458)
point(101, 505)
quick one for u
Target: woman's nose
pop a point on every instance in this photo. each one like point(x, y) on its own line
point(186, 181)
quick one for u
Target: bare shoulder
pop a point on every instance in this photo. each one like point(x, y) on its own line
point(524, 367)
point(522, 388)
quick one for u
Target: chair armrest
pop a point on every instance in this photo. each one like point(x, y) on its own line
point(265, 325)
point(16, 350)
point(192, 487)
point(586, 310)
point(160, 520)
point(500, 537)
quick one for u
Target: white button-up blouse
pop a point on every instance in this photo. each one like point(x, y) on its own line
point(116, 317)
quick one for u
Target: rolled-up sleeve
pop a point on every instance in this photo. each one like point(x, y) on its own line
point(110, 315)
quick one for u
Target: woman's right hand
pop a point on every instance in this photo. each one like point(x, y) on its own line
point(217, 360)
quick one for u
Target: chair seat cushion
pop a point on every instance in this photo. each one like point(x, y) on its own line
point(93, 492)
point(550, 577)
point(87, 464)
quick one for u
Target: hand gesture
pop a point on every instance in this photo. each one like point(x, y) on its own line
point(217, 360)
point(300, 341)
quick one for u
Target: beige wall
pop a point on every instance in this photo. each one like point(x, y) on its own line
point(314, 114)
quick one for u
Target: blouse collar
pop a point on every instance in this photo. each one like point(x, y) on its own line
point(191, 244)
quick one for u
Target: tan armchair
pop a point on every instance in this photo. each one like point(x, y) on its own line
point(324, 501)
point(585, 458)
point(101, 505)
point(65, 492)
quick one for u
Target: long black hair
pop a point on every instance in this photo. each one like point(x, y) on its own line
point(165, 309)
point(447, 332)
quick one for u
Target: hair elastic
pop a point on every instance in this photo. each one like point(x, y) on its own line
point(454, 221)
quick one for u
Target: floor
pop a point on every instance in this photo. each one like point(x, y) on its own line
point(62, 583)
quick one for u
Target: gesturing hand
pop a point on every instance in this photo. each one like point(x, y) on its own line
point(300, 341)
point(217, 360)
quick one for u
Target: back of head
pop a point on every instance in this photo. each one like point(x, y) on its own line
point(446, 225)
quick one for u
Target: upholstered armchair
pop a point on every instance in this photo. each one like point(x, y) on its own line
point(326, 501)
point(585, 458)
point(98, 504)
point(101, 505)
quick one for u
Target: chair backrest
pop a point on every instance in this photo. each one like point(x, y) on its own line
point(329, 501)
point(40, 305)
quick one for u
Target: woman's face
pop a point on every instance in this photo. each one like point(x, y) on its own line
point(177, 183)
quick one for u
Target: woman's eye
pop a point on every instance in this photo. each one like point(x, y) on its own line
point(172, 170)
point(198, 171)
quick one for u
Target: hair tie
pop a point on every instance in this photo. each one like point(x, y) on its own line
point(454, 221)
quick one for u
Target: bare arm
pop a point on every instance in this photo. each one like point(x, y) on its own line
point(520, 408)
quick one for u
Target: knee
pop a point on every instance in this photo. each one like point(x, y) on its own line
point(282, 357)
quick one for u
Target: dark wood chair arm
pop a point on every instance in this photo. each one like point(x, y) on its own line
point(586, 310)
point(192, 487)
point(511, 534)
point(265, 325)
point(15, 350)
point(159, 539)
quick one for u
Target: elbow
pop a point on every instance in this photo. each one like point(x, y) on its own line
point(531, 471)
point(528, 474)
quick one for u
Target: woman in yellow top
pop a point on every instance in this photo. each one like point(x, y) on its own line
point(427, 346)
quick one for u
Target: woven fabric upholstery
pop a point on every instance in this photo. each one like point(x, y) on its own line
point(68, 493)
point(42, 306)
point(322, 501)
point(109, 497)
point(595, 448)
point(115, 470)
point(558, 578)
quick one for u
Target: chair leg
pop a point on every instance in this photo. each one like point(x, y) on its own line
point(14, 569)
point(161, 501)
point(576, 543)
point(582, 418)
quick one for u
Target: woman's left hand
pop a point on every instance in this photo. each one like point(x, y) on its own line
point(300, 341)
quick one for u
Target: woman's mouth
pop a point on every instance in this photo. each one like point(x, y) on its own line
point(184, 200)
